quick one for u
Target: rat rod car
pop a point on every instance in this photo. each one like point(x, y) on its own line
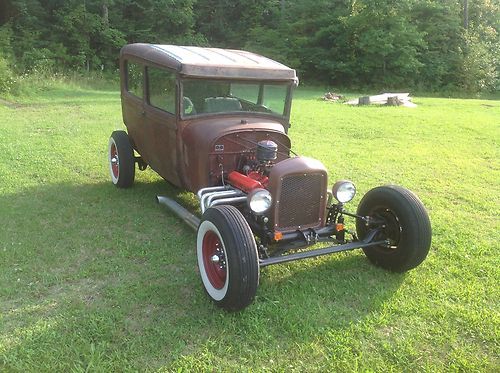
point(215, 122)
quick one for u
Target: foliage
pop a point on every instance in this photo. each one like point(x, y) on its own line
point(7, 77)
point(379, 43)
point(477, 70)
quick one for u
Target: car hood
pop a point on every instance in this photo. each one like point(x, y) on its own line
point(208, 142)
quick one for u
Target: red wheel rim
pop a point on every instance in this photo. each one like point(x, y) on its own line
point(214, 260)
point(114, 161)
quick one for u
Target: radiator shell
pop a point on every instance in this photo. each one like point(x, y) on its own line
point(299, 190)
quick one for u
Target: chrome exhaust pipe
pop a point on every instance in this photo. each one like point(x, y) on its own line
point(191, 220)
point(208, 199)
point(202, 191)
point(228, 201)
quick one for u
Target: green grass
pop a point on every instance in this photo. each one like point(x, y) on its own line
point(98, 279)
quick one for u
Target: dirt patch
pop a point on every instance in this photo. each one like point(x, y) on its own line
point(10, 104)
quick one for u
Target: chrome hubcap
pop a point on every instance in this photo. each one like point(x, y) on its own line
point(215, 259)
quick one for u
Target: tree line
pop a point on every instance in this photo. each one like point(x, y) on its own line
point(426, 44)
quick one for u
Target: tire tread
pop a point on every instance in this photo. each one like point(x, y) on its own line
point(125, 151)
point(416, 216)
point(243, 276)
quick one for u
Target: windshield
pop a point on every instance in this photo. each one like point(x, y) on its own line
point(207, 97)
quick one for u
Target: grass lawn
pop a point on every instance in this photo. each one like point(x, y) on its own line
point(93, 278)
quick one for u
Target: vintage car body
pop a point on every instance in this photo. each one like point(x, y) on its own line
point(215, 122)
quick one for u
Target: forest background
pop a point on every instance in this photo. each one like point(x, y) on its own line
point(431, 45)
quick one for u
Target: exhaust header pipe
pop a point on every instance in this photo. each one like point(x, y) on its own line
point(190, 219)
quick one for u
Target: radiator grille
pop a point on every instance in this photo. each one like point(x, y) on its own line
point(300, 201)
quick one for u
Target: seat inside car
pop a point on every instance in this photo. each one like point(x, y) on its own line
point(221, 104)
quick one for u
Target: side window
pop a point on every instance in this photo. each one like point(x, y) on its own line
point(275, 98)
point(134, 78)
point(161, 85)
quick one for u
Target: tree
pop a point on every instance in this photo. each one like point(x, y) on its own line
point(226, 23)
point(437, 44)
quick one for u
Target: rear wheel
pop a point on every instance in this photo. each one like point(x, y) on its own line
point(227, 258)
point(121, 160)
point(406, 226)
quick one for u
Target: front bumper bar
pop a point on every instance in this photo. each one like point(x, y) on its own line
point(367, 242)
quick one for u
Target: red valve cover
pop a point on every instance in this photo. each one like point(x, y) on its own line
point(264, 180)
point(243, 182)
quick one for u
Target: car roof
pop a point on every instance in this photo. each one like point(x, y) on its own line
point(210, 62)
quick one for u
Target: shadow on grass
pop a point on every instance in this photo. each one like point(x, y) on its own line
point(93, 276)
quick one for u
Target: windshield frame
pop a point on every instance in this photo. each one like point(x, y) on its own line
point(261, 83)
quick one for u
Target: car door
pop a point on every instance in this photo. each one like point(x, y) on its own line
point(132, 93)
point(160, 116)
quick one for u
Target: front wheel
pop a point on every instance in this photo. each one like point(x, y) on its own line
point(406, 227)
point(227, 258)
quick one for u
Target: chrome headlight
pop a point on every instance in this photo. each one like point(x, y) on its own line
point(259, 201)
point(344, 191)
